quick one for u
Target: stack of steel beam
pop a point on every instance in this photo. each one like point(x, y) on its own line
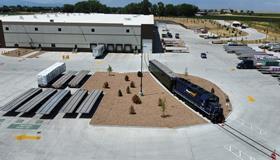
point(34, 102)
point(75, 82)
point(74, 101)
point(89, 102)
point(63, 80)
point(53, 102)
point(21, 99)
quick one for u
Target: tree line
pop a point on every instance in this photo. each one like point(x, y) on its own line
point(143, 7)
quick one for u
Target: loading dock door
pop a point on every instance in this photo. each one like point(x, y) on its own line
point(147, 45)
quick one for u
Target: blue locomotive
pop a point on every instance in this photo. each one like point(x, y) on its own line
point(199, 99)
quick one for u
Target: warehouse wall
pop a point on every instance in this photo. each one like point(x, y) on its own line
point(60, 35)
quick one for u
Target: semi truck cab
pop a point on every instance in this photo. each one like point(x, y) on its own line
point(246, 64)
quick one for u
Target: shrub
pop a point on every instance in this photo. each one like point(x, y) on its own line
point(213, 90)
point(106, 85)
point(139, 74)
point(120, 93)
point(132, 85)
point(128, 90)
point(136, 99)
point(126, 78)
point(132, 110)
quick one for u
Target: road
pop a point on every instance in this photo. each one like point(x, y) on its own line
point(253, 34)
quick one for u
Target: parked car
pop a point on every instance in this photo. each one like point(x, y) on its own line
point(169, 35)
point(203, 55)
point(177, 35)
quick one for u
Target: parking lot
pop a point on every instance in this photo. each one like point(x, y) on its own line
point(255, 99)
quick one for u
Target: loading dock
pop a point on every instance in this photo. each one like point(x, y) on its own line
point(119, 48)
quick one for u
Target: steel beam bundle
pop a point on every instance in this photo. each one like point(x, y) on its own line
point(78, 78)
point(21, 99)
point(89, 102)
point(64, 79)
point(74, 101)
point(47, 107)
point(36, 100)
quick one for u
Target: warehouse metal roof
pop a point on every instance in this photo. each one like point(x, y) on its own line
point(125, 19)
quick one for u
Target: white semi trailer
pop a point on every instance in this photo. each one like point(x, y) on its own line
point(49, 74)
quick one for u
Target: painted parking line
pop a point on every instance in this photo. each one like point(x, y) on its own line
point(24, 126)
point(251, 127)
point(27, 137)
point(39, 122)
point(238, 153)
point(19, 121)
point(98, 61)
point(251, 99)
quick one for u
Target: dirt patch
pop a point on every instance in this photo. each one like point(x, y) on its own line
point(208, 86)
point(114, 110)
point(18, 52)
point(36, 55)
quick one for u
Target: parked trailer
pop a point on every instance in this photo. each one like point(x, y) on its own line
point(163, 74)
point(61, 82)
point(198, 98)
point(21, 99)
point(48, 75)
point(98, 51)
point(39, 99)
point(76, 81)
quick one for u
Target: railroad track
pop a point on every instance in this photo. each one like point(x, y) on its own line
point(267, 151)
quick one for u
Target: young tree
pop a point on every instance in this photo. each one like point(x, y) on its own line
point(109, 70)
point(120, 93)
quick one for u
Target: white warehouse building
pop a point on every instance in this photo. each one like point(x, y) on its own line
point(82, 32)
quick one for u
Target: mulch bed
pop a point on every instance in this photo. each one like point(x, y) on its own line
point(114, 110)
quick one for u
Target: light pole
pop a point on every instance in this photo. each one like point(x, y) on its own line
point(141, 77)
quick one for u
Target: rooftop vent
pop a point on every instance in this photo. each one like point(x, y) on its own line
point(21, 17)
point(128, 19)
point(35, 16)
point(48, 15)
point(51, 20)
